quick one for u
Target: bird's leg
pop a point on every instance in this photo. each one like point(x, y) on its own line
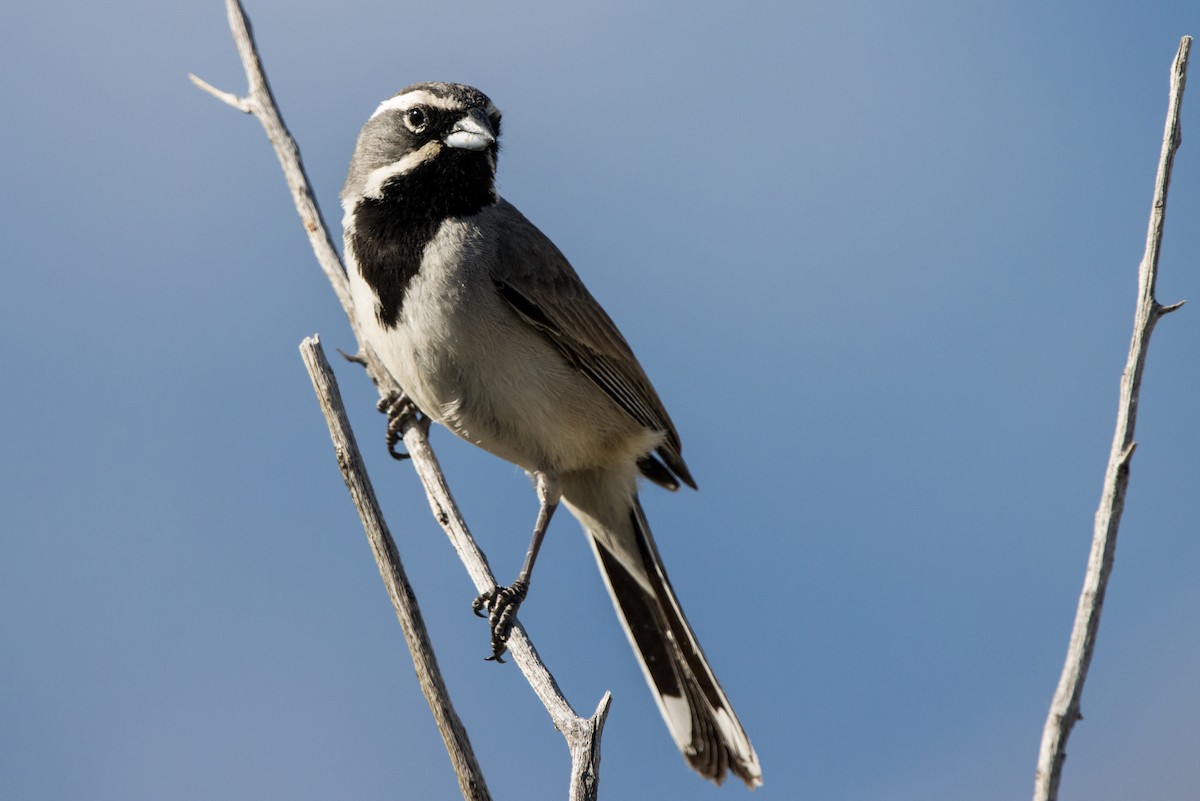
point(398, 408)
point(502, 602)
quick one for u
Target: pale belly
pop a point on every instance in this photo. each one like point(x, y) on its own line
point(494, 381)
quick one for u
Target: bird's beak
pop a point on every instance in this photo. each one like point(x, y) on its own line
point(472, 132)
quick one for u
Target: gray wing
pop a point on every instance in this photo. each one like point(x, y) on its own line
point(543, 289)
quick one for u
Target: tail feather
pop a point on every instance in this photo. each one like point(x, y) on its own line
point(699, 716)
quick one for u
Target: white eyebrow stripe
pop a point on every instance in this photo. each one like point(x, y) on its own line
point(373, 188)
point(417, 97)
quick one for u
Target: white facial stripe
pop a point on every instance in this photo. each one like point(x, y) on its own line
point(381, 175)
point(417, 97)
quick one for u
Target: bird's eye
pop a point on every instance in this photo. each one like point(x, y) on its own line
point(416, 119)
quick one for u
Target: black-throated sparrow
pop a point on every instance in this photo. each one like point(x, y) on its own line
point(489, 331)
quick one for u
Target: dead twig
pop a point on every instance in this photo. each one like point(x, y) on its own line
point(1064, 709)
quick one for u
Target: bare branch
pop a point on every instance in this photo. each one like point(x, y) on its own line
point(261, 103)
point(585, 753)
point(444, 509)
point(1064, 709)
point(582, 735)
point(391, 570)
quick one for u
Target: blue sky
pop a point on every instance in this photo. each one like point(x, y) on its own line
point(878, 259)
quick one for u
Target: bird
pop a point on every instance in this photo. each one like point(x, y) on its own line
point(490, 332)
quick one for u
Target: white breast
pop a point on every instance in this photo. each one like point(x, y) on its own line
point(468, 362)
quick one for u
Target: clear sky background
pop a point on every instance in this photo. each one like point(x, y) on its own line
point(879, 260)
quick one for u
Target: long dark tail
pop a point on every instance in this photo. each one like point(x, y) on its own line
point(694, 706)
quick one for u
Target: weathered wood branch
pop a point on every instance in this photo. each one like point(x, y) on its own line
point(582, 734)
point(1064, 709)
point(391, 570)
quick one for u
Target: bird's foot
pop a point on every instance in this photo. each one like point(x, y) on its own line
point(502, 604)
point(398, 408)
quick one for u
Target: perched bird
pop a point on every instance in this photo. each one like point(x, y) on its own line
point(490, 332)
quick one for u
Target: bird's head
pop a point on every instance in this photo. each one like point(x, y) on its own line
point(435, 141)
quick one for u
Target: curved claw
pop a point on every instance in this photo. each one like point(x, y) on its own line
point(398, 409)
point(502, 604)
point(393, 438)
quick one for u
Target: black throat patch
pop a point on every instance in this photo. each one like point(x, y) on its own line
point(390, 234)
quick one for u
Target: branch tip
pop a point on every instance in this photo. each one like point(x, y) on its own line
point(1163, 311)
point(242, 104)
point(601, 712)
point(357, 357)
